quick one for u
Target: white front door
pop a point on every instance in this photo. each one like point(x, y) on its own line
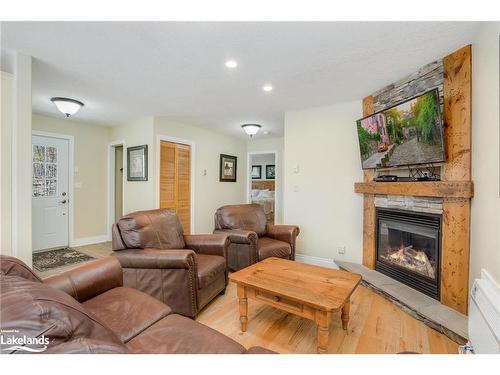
point(50, 195)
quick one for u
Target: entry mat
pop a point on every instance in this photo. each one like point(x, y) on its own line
point(46, 260)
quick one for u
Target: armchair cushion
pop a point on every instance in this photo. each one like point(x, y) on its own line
point(210, 244)
point(242, 216)
point(176, 334)
point(126, 311)
point(90, 279)
point(156, 258)
point(160, 229)
point(268, 247)
point(210, 267)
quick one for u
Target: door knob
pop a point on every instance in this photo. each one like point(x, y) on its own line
point(63, 201)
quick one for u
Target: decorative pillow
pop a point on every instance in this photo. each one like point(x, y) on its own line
point(255, 193)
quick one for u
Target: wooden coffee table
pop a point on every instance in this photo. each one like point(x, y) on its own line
point(308, 291)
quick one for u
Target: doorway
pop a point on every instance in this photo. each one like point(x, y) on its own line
point(262, 182)
point(51, 194)
point(116, 170)
point(175, 181)
point(118, 177)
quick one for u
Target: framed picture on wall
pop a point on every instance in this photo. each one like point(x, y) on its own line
point(270, 172)
point(137, 163)
point(256, 172)
point(227, 168)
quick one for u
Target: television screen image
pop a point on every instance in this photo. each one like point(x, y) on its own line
point(407, 134)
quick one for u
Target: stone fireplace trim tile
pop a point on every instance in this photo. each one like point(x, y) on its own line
point(422, 307)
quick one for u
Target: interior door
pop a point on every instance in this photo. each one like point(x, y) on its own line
point(175, 181)
point(50, 180)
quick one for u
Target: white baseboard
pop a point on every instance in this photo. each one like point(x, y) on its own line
point(89, 240)
point(323, 262)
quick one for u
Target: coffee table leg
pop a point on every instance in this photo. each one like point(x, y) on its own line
point(345, 314)
point(323, 322)
point(242, 296)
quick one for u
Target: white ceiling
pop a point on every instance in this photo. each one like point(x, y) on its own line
point(124, 70)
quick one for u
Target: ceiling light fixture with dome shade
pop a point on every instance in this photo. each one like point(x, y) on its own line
point(251, 129)
point(67, 106)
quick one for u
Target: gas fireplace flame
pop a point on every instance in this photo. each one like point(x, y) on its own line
point(415, 260)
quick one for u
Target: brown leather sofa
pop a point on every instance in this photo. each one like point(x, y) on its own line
point(87, 310)
point(252, 239)
point(183, 271)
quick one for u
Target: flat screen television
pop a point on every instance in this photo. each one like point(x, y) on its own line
point(408, 133)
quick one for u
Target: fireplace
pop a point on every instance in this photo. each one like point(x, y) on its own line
point(409, 248)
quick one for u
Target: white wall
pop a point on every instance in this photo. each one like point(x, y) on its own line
point(21, 159)
point(210, 193)
point(90, 172)
point(485, 211)
point(321, 164)
point(137, 195)
point(276, 145)
point(6, 124)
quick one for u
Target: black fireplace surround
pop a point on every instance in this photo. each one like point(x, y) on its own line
point(409, 248)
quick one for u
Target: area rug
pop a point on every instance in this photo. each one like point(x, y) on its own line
point(46, 260)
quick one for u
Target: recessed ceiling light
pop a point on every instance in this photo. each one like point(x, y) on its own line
point(231, 64)
point(267, 88)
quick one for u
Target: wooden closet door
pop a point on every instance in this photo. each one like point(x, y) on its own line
point(175, 181)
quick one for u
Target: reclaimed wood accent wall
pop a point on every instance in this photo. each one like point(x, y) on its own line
point(452, 77)
point(369, 229)
point(456, 211)
point(426, 78)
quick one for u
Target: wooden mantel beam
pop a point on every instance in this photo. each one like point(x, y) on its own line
point(444, 189)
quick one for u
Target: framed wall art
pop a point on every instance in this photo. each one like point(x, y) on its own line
point(228, 165)
point(137, 163)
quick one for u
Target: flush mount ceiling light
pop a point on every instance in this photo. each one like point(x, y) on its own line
point(231, 64)
point(251, 129)
point(267, 88)
point(67, 106)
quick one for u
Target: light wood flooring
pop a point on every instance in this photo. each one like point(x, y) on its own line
point(376, 325)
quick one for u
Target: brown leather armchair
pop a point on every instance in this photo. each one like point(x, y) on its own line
point(251, 238)
point(184, 271)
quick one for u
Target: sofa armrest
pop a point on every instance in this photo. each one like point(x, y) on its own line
point(89, 280)
point(210, 244)
point(239, 236)
point(156, 258)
